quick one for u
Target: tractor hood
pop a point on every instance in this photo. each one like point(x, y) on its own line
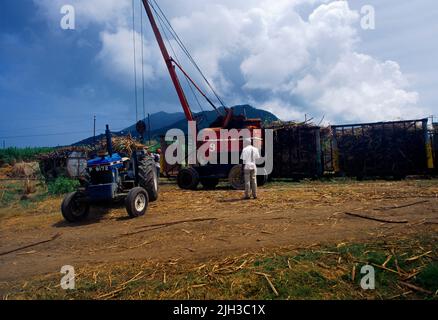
point(113, 160)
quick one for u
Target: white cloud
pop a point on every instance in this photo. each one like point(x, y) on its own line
point(117, 55)
point(361, 88)
point(266, 52)
point(315, 61)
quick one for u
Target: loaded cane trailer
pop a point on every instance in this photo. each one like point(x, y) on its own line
point(297, 151)
point(396, 149)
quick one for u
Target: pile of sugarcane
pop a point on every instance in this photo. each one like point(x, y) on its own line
point(276, 125)
point(297, 152)
point(382, 149)
point(122, 144)
point(54, 164)
point(63, 153)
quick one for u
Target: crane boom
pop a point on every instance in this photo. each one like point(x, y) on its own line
point(169, 63)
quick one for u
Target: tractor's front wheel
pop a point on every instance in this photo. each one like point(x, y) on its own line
point(74, 208)
point(137, 202)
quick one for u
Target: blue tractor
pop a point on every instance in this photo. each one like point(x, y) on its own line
point(112, 177)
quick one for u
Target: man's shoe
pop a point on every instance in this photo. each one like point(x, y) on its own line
point(246, 198)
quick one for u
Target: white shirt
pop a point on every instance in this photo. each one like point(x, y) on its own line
point(250, 155)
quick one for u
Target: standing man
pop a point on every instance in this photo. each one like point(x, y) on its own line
point(250, 155)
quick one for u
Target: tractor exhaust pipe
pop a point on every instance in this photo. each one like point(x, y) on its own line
point(109, 142)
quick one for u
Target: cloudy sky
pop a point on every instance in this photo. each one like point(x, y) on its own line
point(295, 58)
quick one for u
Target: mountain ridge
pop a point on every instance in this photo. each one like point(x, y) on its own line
point(162, 121)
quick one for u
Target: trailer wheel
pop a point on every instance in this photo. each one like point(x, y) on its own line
point(148, 178)
point(262, 179)
point(188, 179)
point(209, 183)
point(137, 202)
point(236, 178)
point(73, 209)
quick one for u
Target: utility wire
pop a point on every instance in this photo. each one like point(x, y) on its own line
point(46, 135)
point(135, 60)
point(184, 48)
point(42, 126)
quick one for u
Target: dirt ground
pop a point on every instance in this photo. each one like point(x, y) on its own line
point(197, 226)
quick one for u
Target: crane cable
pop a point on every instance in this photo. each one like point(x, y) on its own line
point(142, 63)
point(142, 60)
point(184, 49)
point(177, 60)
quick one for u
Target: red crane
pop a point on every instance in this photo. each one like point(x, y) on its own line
point(208, 175)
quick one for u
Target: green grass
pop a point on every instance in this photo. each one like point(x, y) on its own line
point(11, 155)
point(12, 194)
point(62, 185)
point(428, 277)
point(317, 273)
point(7, 197)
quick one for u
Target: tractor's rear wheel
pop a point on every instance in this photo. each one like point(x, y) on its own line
point(137, 202)
point(209, 183)
point(148, 178)
point(74, 208)
point(188, 179)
